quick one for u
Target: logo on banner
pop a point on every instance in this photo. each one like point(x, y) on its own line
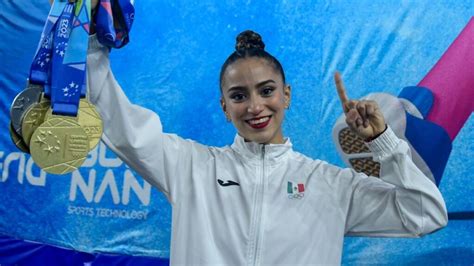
point(295, 190)
point(102, 187)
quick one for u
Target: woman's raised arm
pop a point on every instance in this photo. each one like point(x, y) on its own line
point(135, 133)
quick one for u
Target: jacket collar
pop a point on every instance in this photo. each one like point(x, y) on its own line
point(253, 150)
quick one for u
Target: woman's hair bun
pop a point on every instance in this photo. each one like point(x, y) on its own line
point(249, 40)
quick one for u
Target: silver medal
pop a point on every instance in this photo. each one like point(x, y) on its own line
point(25, 99)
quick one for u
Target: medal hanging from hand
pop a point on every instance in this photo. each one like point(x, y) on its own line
point(36, 84)
point(52, 117)
point(73, 126)
point(60, 145)
point(69, 78)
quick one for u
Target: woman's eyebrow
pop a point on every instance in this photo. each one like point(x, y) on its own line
point(265, 82)
point(237, 88)
point(242, 88)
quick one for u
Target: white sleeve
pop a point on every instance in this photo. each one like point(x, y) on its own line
point(402, 203)
point(135, 133)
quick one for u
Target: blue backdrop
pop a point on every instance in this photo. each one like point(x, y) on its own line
point(172, 67)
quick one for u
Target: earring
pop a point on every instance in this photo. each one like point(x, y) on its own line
point(227, 117)
point(287, 105)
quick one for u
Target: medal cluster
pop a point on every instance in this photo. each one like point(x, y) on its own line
point(58, 144)
point(52, 119)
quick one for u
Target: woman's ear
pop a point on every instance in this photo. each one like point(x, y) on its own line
point(224, 109)
point(223, 104)
point(287, 94)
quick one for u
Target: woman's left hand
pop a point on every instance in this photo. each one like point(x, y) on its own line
point(363, 117)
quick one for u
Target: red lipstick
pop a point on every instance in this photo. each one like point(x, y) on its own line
point(259, 123)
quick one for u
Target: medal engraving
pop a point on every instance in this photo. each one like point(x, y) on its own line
point(21, 103)
point(33, 118)
point(59, 145)
point(89, 119)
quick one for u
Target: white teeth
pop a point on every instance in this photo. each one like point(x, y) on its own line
point(259, 121)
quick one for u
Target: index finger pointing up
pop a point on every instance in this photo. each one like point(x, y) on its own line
point(341, 90)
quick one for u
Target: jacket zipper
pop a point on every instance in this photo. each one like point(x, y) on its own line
point(261, 186)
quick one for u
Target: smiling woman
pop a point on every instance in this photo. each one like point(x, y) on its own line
point(252, 202)
point(254, 93)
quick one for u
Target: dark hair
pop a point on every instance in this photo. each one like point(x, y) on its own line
point(250, 44)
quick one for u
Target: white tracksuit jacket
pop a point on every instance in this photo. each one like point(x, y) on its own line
point(288, 209)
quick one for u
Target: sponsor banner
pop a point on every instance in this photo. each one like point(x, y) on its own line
point(102, 207)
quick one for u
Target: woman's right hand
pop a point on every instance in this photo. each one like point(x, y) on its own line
point(363, 117)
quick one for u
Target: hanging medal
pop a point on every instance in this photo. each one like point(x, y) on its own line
point(60, 145)
point(18, 140)
point(89, 119)
point(52, 117)
point(87, 116)
point(32, 95)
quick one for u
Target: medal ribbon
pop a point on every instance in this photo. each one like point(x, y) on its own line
point(40, 67)
point(69, 55)
point(114, 22)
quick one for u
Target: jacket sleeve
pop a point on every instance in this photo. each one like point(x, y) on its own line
point(135, 133)
point(402, 203)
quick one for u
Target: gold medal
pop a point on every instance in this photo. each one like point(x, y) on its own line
point(60, 145)
point(33, 118)
point(18, 141)
point(90, 121)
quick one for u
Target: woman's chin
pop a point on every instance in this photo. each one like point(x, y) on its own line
point(256, 139)
point(262, 138)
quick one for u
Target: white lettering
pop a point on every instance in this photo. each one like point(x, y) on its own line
point(124, 214)
point(32, 179)
point(107, 162)
point(63, 28)
point(108, 181)
point(131, 183)
point(87, 189)
point(77, 210)
point(21, 166)
point(91, 159)
point(108, 213)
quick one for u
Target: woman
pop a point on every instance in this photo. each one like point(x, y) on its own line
point(258, 201)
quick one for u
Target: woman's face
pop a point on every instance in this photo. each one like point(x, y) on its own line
point(254, 98)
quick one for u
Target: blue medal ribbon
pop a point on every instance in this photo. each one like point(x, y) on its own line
point(111, 33)
point(40, 67)
point(114, 22)
point(69, 54)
